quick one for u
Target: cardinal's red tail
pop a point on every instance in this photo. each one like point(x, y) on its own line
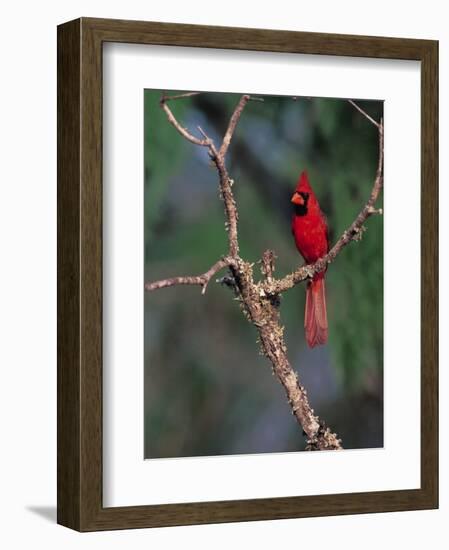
point(315, 319)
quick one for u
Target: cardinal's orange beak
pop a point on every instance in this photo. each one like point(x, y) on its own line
point(297, 199)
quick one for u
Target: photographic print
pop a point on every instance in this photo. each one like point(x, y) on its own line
point(230, 294)
point(263, 302)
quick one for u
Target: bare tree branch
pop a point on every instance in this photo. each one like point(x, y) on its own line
point(230, 205)
point(201, 280)
point(260, 301)
point(232, 124)
point(183, 131)
point(264, 315)
point(364, 113)
point(179, 96)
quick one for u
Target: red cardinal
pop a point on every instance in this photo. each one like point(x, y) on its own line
point(309, 228)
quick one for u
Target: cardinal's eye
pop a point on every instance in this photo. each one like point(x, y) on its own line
point(305, 196)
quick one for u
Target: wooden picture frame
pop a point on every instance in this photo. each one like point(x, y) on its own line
point(80, 503)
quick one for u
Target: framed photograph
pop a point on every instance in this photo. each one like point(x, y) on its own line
point(247, 272)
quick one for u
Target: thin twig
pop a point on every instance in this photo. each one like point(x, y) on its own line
point(201, 280)
point(364, 113)
point(183, 131)
point(179, 96)
point(232, 124)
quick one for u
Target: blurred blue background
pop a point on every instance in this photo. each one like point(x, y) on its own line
point(208, 391)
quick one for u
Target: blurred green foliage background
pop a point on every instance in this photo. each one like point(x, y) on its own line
point(208, 391)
